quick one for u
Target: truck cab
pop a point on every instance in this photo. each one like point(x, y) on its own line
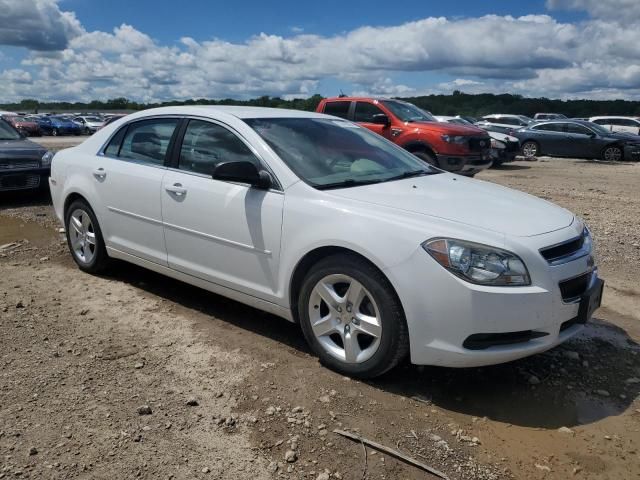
point(458, 149)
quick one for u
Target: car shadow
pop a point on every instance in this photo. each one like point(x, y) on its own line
point(510, 166)
point(577, 383)
point(25, 198)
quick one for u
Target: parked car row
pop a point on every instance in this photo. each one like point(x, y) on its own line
point(35, 125)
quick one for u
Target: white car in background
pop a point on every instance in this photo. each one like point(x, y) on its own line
point(90, 124)
point(619, 124)
point(504, 148)
point(313, 218)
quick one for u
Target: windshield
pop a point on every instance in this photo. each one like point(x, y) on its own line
point(598, 128)
point(7, 132)
point(329, 153)
point(408, 112)
point(93, 119)
point(525, 119)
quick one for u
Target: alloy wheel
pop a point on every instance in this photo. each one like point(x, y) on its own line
point(612, 154)
point(529, 149)
point(82, 236)
point(345, 318)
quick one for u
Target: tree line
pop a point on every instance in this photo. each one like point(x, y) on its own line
point(457, 103)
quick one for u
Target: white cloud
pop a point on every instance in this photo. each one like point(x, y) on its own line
point(618, 10)
point(36, 24)
point(532, 55)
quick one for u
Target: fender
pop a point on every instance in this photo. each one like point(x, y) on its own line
point(418, 144)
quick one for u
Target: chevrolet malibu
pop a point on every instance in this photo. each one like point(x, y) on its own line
point(315, 219)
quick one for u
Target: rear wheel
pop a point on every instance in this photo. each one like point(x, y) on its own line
point(54, 132)
point(427, 157)
point(612, 153)
point(352, 318)
point(84, 238)
point(530, 149)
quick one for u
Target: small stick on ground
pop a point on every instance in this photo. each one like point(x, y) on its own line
point(390, 451)
point(366, 460)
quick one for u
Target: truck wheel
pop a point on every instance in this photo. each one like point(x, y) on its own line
point(427, 157)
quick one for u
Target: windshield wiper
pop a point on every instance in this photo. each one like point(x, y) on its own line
point(346, 184)
point(411, 173)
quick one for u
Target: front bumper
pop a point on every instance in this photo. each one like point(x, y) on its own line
point(632, 152)
point(23, 179)
point(443, 312)
point(465, 164)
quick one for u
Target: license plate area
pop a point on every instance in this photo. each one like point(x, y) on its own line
point(590, 301)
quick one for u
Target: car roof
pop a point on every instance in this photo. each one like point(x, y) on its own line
point(586, 123)
point(235, 111)
point(626, 117)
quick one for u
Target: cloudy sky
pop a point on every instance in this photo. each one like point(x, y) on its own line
point(149, 50)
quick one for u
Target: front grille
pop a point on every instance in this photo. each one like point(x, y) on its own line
point(479, 144)
point(562, 250)
point(573, 288)
point(19, 182)
point(513, 146)
point(482, 341)
point(18, 164)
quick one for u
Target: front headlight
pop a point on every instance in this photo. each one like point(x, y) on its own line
point(46, 159)
point(497, 144)
point(454, 139)
point(478, 263)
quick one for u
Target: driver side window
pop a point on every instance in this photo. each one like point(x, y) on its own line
point(206, 144)
point(365, 112)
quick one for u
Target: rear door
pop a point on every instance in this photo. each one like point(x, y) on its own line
point(128, 178)
point(339, 108)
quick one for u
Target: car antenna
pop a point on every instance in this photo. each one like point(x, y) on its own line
point(342, 95)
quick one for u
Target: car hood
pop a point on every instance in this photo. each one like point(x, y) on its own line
point(503, 137)
point(449, 128)
point(625, 136)
point(16, 149)
point(463, 200)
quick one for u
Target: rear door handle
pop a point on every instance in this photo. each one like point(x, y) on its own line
point(177, 189)
point(99, 173)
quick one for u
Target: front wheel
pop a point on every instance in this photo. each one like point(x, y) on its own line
point(54, 132)
point(352, 318)
point(84, 238)
point(612, 154)
point(530, 149)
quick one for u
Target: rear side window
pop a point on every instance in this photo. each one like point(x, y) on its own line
point(337, 109)
point(365, 112)
point(207, 144)
point(113, 149)
point(600, 121)
point(148, 140)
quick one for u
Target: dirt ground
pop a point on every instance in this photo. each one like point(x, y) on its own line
point(133, 375)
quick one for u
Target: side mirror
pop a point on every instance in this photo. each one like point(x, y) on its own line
point(381, 119)
point(244, 172)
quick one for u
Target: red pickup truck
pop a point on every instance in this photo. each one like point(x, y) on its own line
point(461, 149)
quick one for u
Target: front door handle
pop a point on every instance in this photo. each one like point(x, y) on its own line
point(177, 189)
point(99, 173)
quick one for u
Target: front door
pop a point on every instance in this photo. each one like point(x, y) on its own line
point(364, 115)
point(223, 232)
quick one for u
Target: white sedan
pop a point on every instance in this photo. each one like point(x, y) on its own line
point(310, 217)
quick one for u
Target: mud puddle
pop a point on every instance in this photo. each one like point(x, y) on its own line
point(13, 230)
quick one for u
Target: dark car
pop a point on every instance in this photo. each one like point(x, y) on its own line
point(58, 126)
point(23, 164)
point(577, 139)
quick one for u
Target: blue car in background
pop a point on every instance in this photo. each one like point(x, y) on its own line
point(53, 125)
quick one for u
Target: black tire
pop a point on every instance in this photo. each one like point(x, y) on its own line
point(612, 153)
point(394, 339)
point(87, 131)
point(54, 132)
point(532, 147)
point(427, 157)
point(100, 260)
